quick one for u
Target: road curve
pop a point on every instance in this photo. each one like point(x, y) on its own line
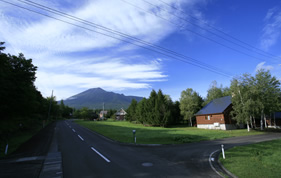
point(87, 154)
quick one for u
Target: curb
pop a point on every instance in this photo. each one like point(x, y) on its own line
point(227, 171)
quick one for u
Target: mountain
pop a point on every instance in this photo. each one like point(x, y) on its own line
point(94, 98)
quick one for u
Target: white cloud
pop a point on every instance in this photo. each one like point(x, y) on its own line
point(70, 58)
point(272, 28)
point(275, 69)
point(263, 66)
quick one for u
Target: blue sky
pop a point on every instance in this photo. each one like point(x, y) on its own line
point(71, 59)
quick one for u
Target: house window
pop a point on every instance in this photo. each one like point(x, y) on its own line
point(208, 117)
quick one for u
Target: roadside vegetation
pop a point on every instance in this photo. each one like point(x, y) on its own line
point(122, 131)
point(24, 111)
point(256, 160)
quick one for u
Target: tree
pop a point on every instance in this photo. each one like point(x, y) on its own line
point(190, 103)
point(254, 96)
point(141, 111)
point(268, 90)
point(131, 111)
point(213, 93)
point(243, 100)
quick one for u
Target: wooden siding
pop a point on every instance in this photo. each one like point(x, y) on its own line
point(219, 118)
point(222, 118)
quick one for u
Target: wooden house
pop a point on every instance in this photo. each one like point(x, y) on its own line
point(216, 115)
point(120, 115)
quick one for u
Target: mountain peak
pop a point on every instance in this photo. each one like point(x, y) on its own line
point(95, 97)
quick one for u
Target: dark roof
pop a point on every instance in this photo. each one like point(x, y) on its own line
point(216, 106)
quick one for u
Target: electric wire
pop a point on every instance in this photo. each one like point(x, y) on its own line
point(116, 32)
point(198, 34)
point(220, 31)
point(251, 49)
point(126, 41)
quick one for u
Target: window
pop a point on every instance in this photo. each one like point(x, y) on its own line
point(209, 118)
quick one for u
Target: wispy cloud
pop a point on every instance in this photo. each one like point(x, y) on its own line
point(70, 58)
point(275, 69)
point(263, 66)
point(272, 28)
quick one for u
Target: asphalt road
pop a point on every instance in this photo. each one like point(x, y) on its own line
point(86, 154)
point(75, 151)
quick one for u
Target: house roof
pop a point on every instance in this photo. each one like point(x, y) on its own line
point(216, 106)
point(103, 112)
point(121, 112)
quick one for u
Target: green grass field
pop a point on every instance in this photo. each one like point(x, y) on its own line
point(256, 160)
point(122, 132)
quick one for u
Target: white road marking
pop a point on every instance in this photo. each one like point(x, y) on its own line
point(107, 160)
point(81, 138)
point(73, 130)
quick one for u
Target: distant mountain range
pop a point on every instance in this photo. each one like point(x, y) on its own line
point(94, 99)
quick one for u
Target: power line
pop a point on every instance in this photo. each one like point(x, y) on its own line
point(118, 33)
point(144, 47)
point(245, 45)
point(198, 34)
point(220, 31)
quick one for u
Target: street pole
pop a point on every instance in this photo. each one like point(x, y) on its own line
point(222, 150)
point(134, 136)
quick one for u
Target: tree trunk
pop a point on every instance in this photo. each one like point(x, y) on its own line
point(255, 125)
point(261, 121)
point(265, 124)
point(251, 122)
point(248, 127)
point(274, 121)
point(190, 121)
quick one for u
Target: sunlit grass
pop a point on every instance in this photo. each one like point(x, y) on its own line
point(256, 160)
point(122, 132)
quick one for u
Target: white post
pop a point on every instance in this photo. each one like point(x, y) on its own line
point(222, 150)
point(6, 150)
point(134, 136)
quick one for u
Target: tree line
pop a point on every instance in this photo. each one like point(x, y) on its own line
point(19, 98)
point(252, 97)
point(255, 97)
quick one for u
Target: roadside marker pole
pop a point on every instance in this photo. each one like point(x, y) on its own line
point(222, 150)
point(6, 150)
point(134, 136)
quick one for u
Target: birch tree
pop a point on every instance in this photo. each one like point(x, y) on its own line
point(190, 103)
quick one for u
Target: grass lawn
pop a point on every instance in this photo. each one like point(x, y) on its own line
point(122, 132)
point(256, 160)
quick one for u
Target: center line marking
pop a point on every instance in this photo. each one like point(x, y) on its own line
point(107, 160)
point(80, 137)
point(73, 130)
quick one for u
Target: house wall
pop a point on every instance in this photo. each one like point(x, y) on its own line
point(220, 121)
point(203, 119)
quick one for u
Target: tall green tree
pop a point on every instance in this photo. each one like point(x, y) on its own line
point(190, 103)
point(253, 96)
point(268, 89)
point(244, 102)
point(131, 111)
